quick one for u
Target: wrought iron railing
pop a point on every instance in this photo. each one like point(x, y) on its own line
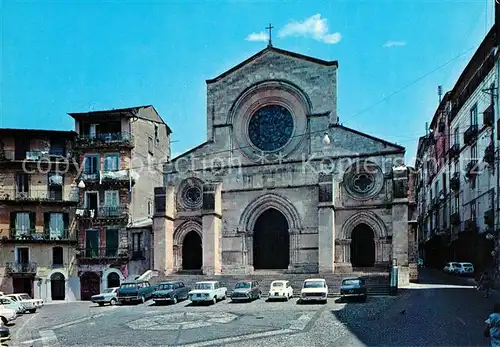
point(21, 268)
point(23, 234)
point(44, 195)
point(103, 212)
point(103, 139)
point(104, 252)
point(35, 155)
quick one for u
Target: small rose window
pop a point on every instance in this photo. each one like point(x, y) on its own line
point(363, 182)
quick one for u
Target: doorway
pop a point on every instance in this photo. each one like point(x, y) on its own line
point(92, 201)
point(192, 251)
point(362, 246)
point(113, 280)
point(90, 284)
point(271, 241)
point(58, 286)
point(92, 243)
point(23, 285)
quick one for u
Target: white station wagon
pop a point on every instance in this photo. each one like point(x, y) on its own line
point(314, 289)
point(207, 291)
point(280, 290)
point(30, 304)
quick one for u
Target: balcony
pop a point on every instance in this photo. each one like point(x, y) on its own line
point(471, 170)
point(455, 182)
point(470, 135)
point(104, 215)
point(488, 218)
point(103, 253)
point(488, 116)
point(46, 195)
point(105, 140)
point(40, 157)
point(33, 236)
point(489, 155)
point(21, 268)
point(454, 151)
point(110, 178)
point(455, 218)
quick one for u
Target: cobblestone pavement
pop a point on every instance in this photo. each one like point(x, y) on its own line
point(440, 311)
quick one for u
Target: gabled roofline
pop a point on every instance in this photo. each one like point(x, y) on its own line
point(387, 143)
point(276, 50)
point(191, 150)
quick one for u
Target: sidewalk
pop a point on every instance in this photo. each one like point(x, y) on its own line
point(64, 302)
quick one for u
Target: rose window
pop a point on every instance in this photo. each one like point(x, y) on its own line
point(192, 197)
point(270, 128)
point(363, 183)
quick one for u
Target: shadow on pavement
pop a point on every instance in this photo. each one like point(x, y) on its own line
point(438, 311)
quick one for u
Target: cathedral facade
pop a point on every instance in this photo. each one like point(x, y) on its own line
point(279, 184)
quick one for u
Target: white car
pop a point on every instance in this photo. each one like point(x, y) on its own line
point(30, 304)
point(7, 314)
point(451, 267)
point(465, 269)
point(280, 290)
point(314, 289)
point(207, 291)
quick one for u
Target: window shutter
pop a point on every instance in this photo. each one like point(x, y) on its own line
point(32, 221)
point(66, 221)
point(46, 221)
point(13, 220)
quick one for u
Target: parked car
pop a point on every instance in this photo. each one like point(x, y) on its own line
point(108, 296)
point(137, 291)
point(30, 304)
point(4, 333)
point(15, 305)
point(314, 289)
point(246, 291)
point(207, 291)
point(465, 269)
point(451, 267)
point(7, 314)
point(280, 290)
point(353, 287)
point(170, 292)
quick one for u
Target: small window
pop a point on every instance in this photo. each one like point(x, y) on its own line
point(57, 256)
point(150, 208)
point(473, 115)
point(457, 136)
point(157, 139)
point(111, 162)
point(150, 145)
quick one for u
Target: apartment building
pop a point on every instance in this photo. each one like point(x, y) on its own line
point(121, 153)
point(457, 178)
point(38, 198)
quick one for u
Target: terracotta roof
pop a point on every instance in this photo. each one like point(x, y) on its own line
point(276, 50)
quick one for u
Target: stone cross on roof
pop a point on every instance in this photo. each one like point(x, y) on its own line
point(270, 28)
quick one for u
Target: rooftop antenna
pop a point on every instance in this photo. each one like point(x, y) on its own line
point(440, 93)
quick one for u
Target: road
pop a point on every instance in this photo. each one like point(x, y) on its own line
point(440, 311)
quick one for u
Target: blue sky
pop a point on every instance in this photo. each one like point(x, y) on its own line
point(60, 57)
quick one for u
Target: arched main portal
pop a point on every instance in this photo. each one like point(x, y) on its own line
point(90, 284)
point(192, 251)
point(58, 286)
point(362, 246)
point(271, 241)
point(113, 280)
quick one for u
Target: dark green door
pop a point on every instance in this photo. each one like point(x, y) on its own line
point(111, 242)
point(92, 243)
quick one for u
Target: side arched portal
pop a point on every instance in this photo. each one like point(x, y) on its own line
point(192, 251)
point(113, 280)
point(362, 246)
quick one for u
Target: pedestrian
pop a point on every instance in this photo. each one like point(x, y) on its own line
point(492, 329)
point(485, 283)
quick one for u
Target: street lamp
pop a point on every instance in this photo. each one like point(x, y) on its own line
point(81, 184)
